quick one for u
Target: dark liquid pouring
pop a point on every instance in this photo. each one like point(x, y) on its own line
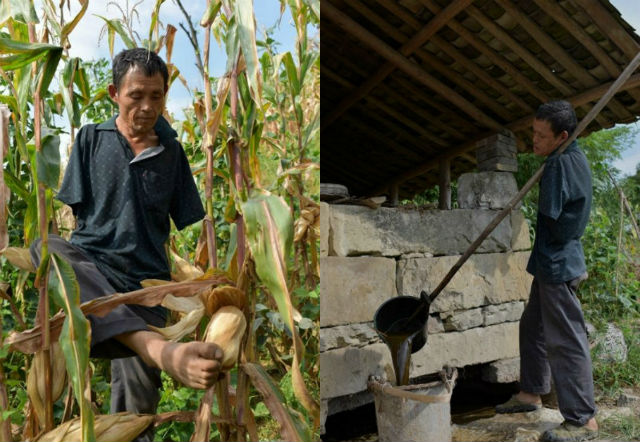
point(399, 338)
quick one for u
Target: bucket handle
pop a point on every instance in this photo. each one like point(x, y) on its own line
point(385, 387)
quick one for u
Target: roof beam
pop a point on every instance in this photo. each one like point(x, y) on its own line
point(610, 26)
point(488, 52)
point(523, 123)
point(412, 69)
point(418, 40)
point(559, 54)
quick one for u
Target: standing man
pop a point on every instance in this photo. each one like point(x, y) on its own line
point(553, 338)
point(125, 178)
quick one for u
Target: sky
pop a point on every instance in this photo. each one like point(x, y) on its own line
point(86, 44)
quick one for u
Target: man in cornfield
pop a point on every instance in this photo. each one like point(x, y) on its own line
point(125, 178)
point(553, 338)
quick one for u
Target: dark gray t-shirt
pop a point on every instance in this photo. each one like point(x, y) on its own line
point(564, 205)
point(123, 204)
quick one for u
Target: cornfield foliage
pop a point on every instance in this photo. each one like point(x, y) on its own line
point(252, 140)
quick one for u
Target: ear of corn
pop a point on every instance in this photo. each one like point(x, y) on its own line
point(119, 427)
point(221, 296)
point(225, 329)
point(36, 382)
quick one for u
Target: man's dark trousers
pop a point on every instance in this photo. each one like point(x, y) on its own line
point(134, 385)
point(553, 342)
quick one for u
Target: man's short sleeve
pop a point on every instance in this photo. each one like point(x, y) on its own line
point(72, 190)
point(186, 206)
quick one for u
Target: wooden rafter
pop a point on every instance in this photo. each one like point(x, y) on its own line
point(418, 40)
point(350, 26)
point(523, 123)
point(492, 55)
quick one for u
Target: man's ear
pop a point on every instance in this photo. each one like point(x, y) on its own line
point(113, 92)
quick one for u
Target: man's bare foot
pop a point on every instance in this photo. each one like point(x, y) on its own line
point(529, 398)
point(195, 364)
point(592, 424)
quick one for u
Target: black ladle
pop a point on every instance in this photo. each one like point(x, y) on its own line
point(401, 324)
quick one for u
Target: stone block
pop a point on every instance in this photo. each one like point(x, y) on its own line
point(491, 278)
point(434, 325)
point(499, 149)
point(324, 409)
point(357, 335)
point(502, 164)
point(486, 190)
point(345, 371)
point(520, 240)
point(508, 312)
point(505, 136)
point(627, 398)
point(462, 319)
point(386, 231)
point(474, 346)
point(324, 229)
point(502, 371)
point(353, 288)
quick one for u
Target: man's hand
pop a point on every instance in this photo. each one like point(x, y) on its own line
point(195, 364)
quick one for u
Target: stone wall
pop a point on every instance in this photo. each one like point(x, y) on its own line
point(369, 256)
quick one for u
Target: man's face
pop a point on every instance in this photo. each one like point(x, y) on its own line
point(544, 141)
point(140, 100)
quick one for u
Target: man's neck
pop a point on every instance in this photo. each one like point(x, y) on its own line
point(138, 141)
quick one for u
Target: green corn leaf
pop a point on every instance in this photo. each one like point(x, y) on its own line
point(314, 5)
point(213, 6)
point(154, 20)
point(66, 30)
point(15, 185)
point(48, 69)
point(21, 10)
point(80, 79)
point(292, 74)
point(232, 44)
point(52, 20)
point(292, 428)
point(48, 159)
point(75, 337)
point(247, 35)
point(270, 235)
point(10, 101)
point(22, 83)
point(115, 26)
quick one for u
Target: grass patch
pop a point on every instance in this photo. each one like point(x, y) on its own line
point(621, 428)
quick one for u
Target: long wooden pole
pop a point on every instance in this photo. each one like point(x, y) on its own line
point(536, 176)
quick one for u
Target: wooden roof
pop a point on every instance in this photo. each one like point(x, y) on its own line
point(409, 83)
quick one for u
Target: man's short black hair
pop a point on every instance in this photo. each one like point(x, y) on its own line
point(148, 61)
point(560, 115)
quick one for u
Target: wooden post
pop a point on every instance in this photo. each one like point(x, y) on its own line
point(444, 202)
point(394, 192)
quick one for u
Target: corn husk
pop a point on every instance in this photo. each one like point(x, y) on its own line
point(19, 257)
point(36, 384)
point(119, 427)
point(185, 271)
point(225, 329)
point(222, 296)
point(193, 310)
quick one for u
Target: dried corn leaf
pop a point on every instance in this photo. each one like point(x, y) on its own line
point(19, 257)
point(154, 283)
point(182, 304)
point(222, 296)
point(119, 427)
point(35, 380)
point(185, 271)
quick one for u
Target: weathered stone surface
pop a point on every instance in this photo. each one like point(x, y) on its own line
point(627, 398)
point(386, 231)
point(324, 229)
point(462, 319)
point(353, 288)
point(507, 150)
point(486, 190)
point(324, 408)
point(502, 371)
point(491, 163)
point(434, 325)
point(611, 347)
point(507, 312)
point(520, 240)
point(349, 402)
point(505, 136)
point(340, 336)
point(473, 346)
point(346, 370)
point(492, 278)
